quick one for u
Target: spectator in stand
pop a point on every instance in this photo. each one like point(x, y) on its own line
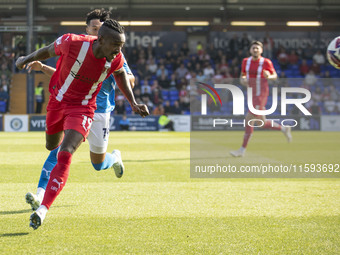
point(20, 49)
point(190, 67)
point(124, 123)
point(316, 68)
point(304, 68)
point(165, 122)
point(159, 110)
point(151, 67)
point(5, 70)
point(314, 108)
point(233, 45)
point(193, 60)
point(5, 85)
point(218, 77)
point(161, 70)
point(181, 71)
point(150, 52)
point(282, 58)
point(154, 85)
point(310, 78)
point(327, 79)
point(326, 95)
point(204, 56)
point(4, 97)
point(293, 58)
point(330, 106)
point(146, 92)
point(137, 93)
point(198, 68)
point(156, 97)
point(212, 52)
point(184, 104)
point(133, 56)
point(169, 60)
point(185, 49)
point(147, 86)
point(245, 42)
point(208, 71)
point(338, 106)
point(164, 82)
point(4, 77)
point(39, 97)
point(199, 48)
point(268, 45)
point(141, 51)
point(175, 50)
point(167, 106)
point(173, 82)
point(120, 107)
point(223, 65)
point(334, 93)
point(317, 95)
point(141, 68)
point(319, 58)
point(308, 53)
point(176, 109)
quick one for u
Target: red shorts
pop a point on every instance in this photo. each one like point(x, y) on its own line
point(61, 116)
point(259, 103)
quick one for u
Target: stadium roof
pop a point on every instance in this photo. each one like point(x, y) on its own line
point(217, 10)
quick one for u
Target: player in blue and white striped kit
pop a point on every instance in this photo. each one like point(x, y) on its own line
point(99, 132)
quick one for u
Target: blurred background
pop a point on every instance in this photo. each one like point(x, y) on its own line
point(173, 44)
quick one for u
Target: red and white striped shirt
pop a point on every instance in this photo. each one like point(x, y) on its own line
point(79, 74)
point(253, 69)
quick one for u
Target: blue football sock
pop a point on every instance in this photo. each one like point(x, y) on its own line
point(108, 162)
point(49, 164)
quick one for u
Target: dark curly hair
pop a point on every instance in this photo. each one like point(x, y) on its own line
point(113, 24)
point(100, 14)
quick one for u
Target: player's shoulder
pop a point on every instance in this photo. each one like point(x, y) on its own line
point(267, 60)
point(81, 38)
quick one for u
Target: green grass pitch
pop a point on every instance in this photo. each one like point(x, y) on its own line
point(156, 208)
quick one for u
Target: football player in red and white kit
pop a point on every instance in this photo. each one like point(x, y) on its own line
point(84, 62)
point(255, 73)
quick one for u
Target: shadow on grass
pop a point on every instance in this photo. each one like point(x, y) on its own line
point(15, 212)
point(153, 160)
point(29, 210)
point(14, 234)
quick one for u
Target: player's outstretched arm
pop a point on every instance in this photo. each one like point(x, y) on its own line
point(38, 66)
point(124, 86)
point(41, 54)
point(131, 78)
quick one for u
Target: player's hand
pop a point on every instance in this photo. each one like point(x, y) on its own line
point(266, 74)
point(244, 81)
point(141, 109)
point(34, 66)
point(20, 63)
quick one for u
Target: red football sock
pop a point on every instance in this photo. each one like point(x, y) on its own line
point(269, 124)
point(248, 133)
point(58, 178)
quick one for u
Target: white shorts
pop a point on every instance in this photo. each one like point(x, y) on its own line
point(99, 133)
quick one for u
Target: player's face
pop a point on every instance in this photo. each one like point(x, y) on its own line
point(93, 27)
point(255, 51)
point(111, 44)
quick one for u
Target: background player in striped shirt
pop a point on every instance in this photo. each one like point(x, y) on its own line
point(84, 63)
point(255, 73)
point(99, 132)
